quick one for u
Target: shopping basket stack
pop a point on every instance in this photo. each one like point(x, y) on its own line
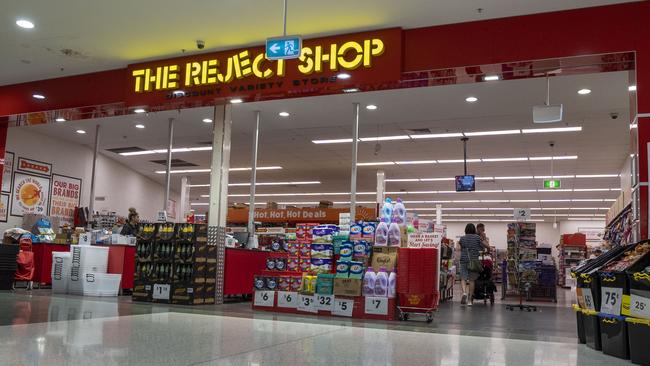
point(417, 282)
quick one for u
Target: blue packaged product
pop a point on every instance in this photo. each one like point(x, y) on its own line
point(322, 250)
point(271, 283)
point(270, 264)
point(360, 248)
point(260, 283)
point(356, 231)
point(368, 231)
point(356, 270)
point(342, 269)
point(276, 246)
point(346, 252)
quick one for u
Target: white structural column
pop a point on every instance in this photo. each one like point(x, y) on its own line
point(353, 175)
point(218, 208)
point(91, 204)
point(251, 200)
point(185, 198)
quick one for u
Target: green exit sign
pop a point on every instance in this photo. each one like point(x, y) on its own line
point(551, 184)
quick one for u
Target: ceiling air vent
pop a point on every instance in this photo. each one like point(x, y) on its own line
point(419, 131)
point(120, 150)
point(176, 163)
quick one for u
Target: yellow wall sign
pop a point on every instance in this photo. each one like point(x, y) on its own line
point(333, 57)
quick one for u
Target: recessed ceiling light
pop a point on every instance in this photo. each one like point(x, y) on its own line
point(60, 119)
point(584, 91)
point(24, 23)
point(139, 125)
point(207, 120)
point(351, 90)
point(178, 93)
point(491, 77)
point(38, 96)
point(371, 107)
point(236, 101)
point(139, 110)
point(81, 132)
point(631, 88)
point(343, 76)
point(471, 99)
point(284, 114)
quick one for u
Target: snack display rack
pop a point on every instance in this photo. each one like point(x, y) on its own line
point(613, 311)
point(174, 264)
point(619, 230)
point(572, 250)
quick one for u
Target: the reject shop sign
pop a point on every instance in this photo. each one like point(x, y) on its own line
point(424, 240)
point(372, 58)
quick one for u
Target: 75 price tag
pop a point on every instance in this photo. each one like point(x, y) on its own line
point(343, 307)
point(287, 299)
point(377, 305)
point(264, 298)
point(307, 303)
point(324, 302)
point(161, 292)
point(639, 306)
point(611, 300)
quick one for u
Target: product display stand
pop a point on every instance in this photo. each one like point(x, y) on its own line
point(522, 248)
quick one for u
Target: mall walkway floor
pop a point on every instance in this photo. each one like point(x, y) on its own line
point(39, 329)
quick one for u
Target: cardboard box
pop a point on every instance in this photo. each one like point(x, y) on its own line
point(187, 294)
point(347, 286)
point(384, 257)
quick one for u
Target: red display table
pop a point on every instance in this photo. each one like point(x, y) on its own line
point(43, 261)
point(121, 260)
point(241, 265)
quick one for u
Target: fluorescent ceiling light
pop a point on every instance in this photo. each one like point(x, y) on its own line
point(436, 135)
point(492, 133)
point(402, 180)
point(554, 176)
point(480, 178)
point(519, 190)
point(38, 96)
point(199, 204)
point(245, 184)
point(351, 90)
point(503, 159)
point(333, 141)
point(207, 120)
point(139, 110)
point(198, 185)
point(24, 23)
point(343, 76)
point(554, 200)
point(523, 201)
point(491, 77)
point(208, 170)
point(513, 178)
point(383, 138)
point(415, 162)
point(284, 114)
point(450, 161)
point(258, 168)
point(555, 129)
point(471, 99)
point(631, 88)
point(584, 91)
point(598, 176)
point(371, 107)
point(60, 119)
point(566, 157)
point(591, 189)
point(178, 93)
point(489, 191)
point(633, 126)
point(376, 163)
point(436, 179)
point(236, 101)
point(81, 132)
point(554, 190)
point(140, 126)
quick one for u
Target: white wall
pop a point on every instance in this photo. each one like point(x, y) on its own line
point(122, 186)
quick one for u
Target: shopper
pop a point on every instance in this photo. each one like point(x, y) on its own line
point(131, 226)
point(480, 230)
point(470, 247)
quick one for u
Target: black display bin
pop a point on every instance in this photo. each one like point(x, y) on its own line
point(638, 331)
point(613, 335)
point(591, 323)
point(580, 324)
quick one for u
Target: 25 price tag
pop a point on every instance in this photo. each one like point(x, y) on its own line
point(287, 299)
point(639, 306)
point(325, 302)
point(611, 300)
point(264, 298)
point(589, 299)
point(161, 292)
point(377, 305)
point(343, 307)
point(307, 303)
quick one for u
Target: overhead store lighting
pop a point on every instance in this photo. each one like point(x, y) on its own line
point(198, 185)
point(371, 107)
point(246, 184)
point(24, 23)
point(343, 76)
point(38, 96)
point(140, 126)
point(351, 90)
point(236, 100)
point(491, 77)
point(505, 178)
point(182, 171)
point(207, 120)
point(164, 151)
point(584, 91)
point(139, 110)
point(60, 119)
point(503, 159)
point(376, 163)
point(631, 88)
point(81, 132)
point(459, 134)
point(383, 138)
point(284, 114)
point(411, 162)
point(471, 99)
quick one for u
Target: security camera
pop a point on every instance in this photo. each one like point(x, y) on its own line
point(200, 44)
point(613, 115)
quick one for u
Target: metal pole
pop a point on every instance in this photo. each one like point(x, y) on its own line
point(381, 187)
point(284, 30)
point(355, 149)
point(464, 140)
point(168, 175)
point(251, 199)
point(91, 205)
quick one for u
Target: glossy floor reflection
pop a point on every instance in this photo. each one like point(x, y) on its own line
point(38, 329)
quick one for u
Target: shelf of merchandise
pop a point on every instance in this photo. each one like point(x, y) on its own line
point(570, 255)
point(618, 231)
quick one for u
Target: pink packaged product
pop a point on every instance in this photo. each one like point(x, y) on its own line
point(305, 250)
point(305, 264)
point(296, 283)
point(293, 264)
point(284, 283)
point(293, 249)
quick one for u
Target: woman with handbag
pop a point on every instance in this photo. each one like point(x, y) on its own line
point(470, 266)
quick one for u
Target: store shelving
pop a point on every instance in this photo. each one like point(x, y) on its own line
point(619, 230)
point(572, 250)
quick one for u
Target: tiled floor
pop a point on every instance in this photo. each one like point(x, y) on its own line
point(39, 329)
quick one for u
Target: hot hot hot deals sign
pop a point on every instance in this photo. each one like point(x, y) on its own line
point(65, 197)
point(30, 194)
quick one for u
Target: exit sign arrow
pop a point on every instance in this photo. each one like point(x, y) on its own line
point(274, 48)
point(283, 48)
point(552, 183)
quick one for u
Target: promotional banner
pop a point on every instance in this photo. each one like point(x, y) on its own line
point(64, 197)
point(4, 207)
point(7, 171)
point(34, 166)
point(30, 194)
